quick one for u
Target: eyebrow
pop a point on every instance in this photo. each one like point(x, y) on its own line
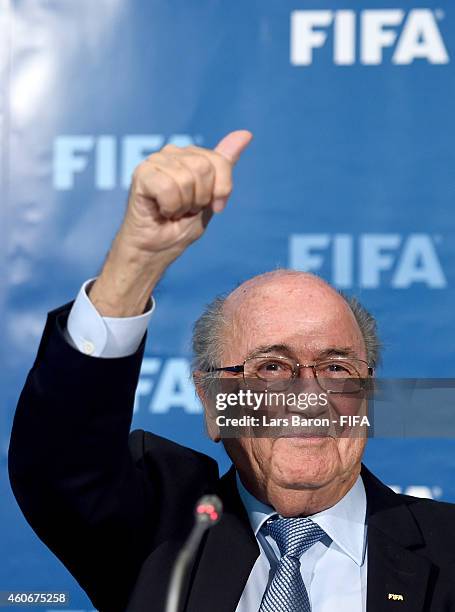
point(282, 349)
point(285, 349)
point(338, 351)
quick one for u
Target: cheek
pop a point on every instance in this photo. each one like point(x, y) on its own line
point(253, 455)
point(350, 451)
point(295, 464)
point(261, 452)
point(348, 406)
point(298, 464)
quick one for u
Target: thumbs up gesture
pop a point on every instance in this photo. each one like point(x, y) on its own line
point(173, 196)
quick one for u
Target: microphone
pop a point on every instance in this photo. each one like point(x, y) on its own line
point(207, 513)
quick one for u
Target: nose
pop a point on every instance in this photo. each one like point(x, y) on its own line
point(306, 370)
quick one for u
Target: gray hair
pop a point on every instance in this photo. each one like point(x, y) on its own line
point(208, 336)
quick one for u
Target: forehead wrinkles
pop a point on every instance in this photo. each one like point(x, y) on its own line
point(288, 306)
point(299, 286)
point(298, 315)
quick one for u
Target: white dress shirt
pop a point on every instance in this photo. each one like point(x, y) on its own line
point(99, 336)
point(334, 570)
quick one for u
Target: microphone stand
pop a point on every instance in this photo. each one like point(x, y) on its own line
point(207, 512)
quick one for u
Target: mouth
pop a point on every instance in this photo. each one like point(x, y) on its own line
point(309, 433)
point(308, 438)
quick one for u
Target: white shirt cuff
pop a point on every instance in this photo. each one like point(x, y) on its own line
point(99, 336)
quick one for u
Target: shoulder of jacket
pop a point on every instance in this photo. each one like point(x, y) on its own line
point(432, 516)
point(145, 444)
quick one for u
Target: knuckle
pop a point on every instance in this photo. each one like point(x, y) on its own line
point(223, 189)
point(139, 173)
point(187, 184)
point(155, 158)
point(166, 191)
point(183, 176)
point(170, 148)
point(196, 149)
point(169, 191)
point(201, 165)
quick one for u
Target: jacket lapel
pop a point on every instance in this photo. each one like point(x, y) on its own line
point(397, 576)
point(227, 557)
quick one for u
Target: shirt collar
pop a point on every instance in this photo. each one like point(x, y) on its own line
point(344, 522)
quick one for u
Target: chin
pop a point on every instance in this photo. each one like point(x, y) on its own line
point(304, 463)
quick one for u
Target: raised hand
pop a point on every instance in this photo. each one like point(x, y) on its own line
point(173, 196)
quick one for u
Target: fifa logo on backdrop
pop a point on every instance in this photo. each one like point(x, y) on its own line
point(111, 160)
point(363, 37)
point(371, 260)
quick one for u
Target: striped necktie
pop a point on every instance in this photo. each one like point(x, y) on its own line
point(286, 592)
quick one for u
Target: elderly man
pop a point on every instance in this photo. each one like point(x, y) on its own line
point(305, 526)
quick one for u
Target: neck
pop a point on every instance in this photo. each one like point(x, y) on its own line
point(290, 502)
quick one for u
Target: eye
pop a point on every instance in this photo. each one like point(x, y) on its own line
point(272, 366)
point(269, 368)
point(336, 367)
point(333, 368)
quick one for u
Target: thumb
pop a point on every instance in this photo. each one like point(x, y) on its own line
point(232, 146)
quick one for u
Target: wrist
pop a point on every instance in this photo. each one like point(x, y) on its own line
point(126, 282)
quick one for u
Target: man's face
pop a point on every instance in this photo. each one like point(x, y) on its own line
point(305, 315)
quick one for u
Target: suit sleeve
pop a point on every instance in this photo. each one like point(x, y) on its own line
point(72, 471)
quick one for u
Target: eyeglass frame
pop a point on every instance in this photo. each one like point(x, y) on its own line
point(240, 369)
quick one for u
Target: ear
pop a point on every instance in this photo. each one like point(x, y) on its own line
point(209, 409)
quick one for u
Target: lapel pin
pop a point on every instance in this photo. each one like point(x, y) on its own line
point(396, 597)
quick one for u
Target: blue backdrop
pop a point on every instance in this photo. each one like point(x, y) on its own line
point(350, 175)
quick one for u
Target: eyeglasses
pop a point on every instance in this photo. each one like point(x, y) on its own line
point(334, 374)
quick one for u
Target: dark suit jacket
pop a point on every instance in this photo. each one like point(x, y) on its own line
point(116, 507)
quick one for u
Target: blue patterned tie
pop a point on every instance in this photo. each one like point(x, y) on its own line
point(287, 592)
